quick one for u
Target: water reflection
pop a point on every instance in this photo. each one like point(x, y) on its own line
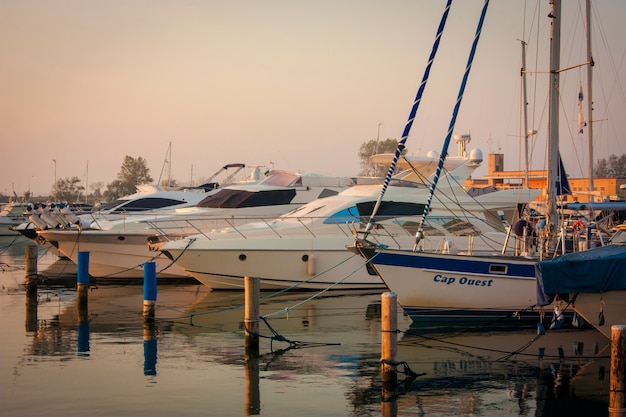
point(322, 354)
point(149, 348)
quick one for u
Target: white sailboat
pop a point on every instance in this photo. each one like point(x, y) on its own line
point(471, 288)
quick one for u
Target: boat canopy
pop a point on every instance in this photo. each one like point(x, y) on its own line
point(591, 271)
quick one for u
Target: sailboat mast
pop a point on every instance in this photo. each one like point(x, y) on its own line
point(553, 133)
point(525, 112)
point(589, 96)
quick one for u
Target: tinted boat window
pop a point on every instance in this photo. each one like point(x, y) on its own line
point(226, 198)
point(391, 209)
point(111, 204)
point(144, 204)
point(387, 209)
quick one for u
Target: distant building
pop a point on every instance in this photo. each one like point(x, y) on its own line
point(605, 188)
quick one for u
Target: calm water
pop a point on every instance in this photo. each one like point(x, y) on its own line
point(57, 362)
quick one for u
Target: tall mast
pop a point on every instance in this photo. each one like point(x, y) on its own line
point(525, 110)
point(553, 135)
point(589, 98)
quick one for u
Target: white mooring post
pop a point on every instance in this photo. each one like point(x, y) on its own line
point(617, 398)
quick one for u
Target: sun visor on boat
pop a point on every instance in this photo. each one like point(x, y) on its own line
point(590, 271)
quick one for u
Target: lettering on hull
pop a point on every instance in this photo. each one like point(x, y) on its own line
point(472, 282)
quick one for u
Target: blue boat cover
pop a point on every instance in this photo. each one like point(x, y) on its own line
point(591, 271)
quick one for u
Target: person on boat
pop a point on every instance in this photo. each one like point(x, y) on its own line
point(525, 231)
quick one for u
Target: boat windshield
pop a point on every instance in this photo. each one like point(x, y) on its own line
point(619, 237)
point(334, 211)
point(283, 179)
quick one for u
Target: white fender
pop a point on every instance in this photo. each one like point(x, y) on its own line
point(34, 219)
point(56, 215)
point(311, 265)
point(50, 221)
point(69, 215)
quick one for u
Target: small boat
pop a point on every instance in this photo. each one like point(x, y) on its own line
point(11, 215)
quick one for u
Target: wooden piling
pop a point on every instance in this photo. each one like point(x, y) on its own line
point(149, 290)
point(617, 398)
point(389, 345)
point(31, 278)
point(82, 280)
point(252, 312)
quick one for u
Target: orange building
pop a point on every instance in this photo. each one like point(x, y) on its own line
point(605, 188)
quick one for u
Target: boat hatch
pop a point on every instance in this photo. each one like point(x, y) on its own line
point(498, 269)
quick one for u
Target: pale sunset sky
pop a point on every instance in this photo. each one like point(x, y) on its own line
point(296, 84)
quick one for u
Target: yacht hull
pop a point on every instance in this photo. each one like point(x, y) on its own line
point(113, 256)
point(468, 289)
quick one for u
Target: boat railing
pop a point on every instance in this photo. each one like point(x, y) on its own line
point(391, 232)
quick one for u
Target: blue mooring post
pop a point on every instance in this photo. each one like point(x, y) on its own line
point(149, 290)
point(82, 285)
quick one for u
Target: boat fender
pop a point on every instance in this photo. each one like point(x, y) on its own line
point(310, 264)
point(69, 215)
point(601, 314)
point(577, 321)
point(58, 217)
point(557, 319)
point(34, 219)
point(46, 217)
point(540, 328)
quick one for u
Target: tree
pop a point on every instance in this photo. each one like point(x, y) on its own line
point(67, 189)
point(134, 171)
point(373, 147)
point(96, 189)
point(615, 167)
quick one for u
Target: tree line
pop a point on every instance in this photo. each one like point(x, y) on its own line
point(135, 172)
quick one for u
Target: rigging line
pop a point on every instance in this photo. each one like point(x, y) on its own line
point(407, 128)
point(191, 240)
point(444, 149)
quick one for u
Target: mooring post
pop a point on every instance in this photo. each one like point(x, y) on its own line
point(617, 398)
point(251, 319)
point(82, 279)
point(31, 278)
point(149, 290)
point(389, 345)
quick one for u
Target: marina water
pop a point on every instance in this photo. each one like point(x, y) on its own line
point(319, 356)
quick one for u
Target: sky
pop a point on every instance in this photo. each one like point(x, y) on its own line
point(294, 85)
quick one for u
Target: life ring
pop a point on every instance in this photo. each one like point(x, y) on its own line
point(578, 225)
